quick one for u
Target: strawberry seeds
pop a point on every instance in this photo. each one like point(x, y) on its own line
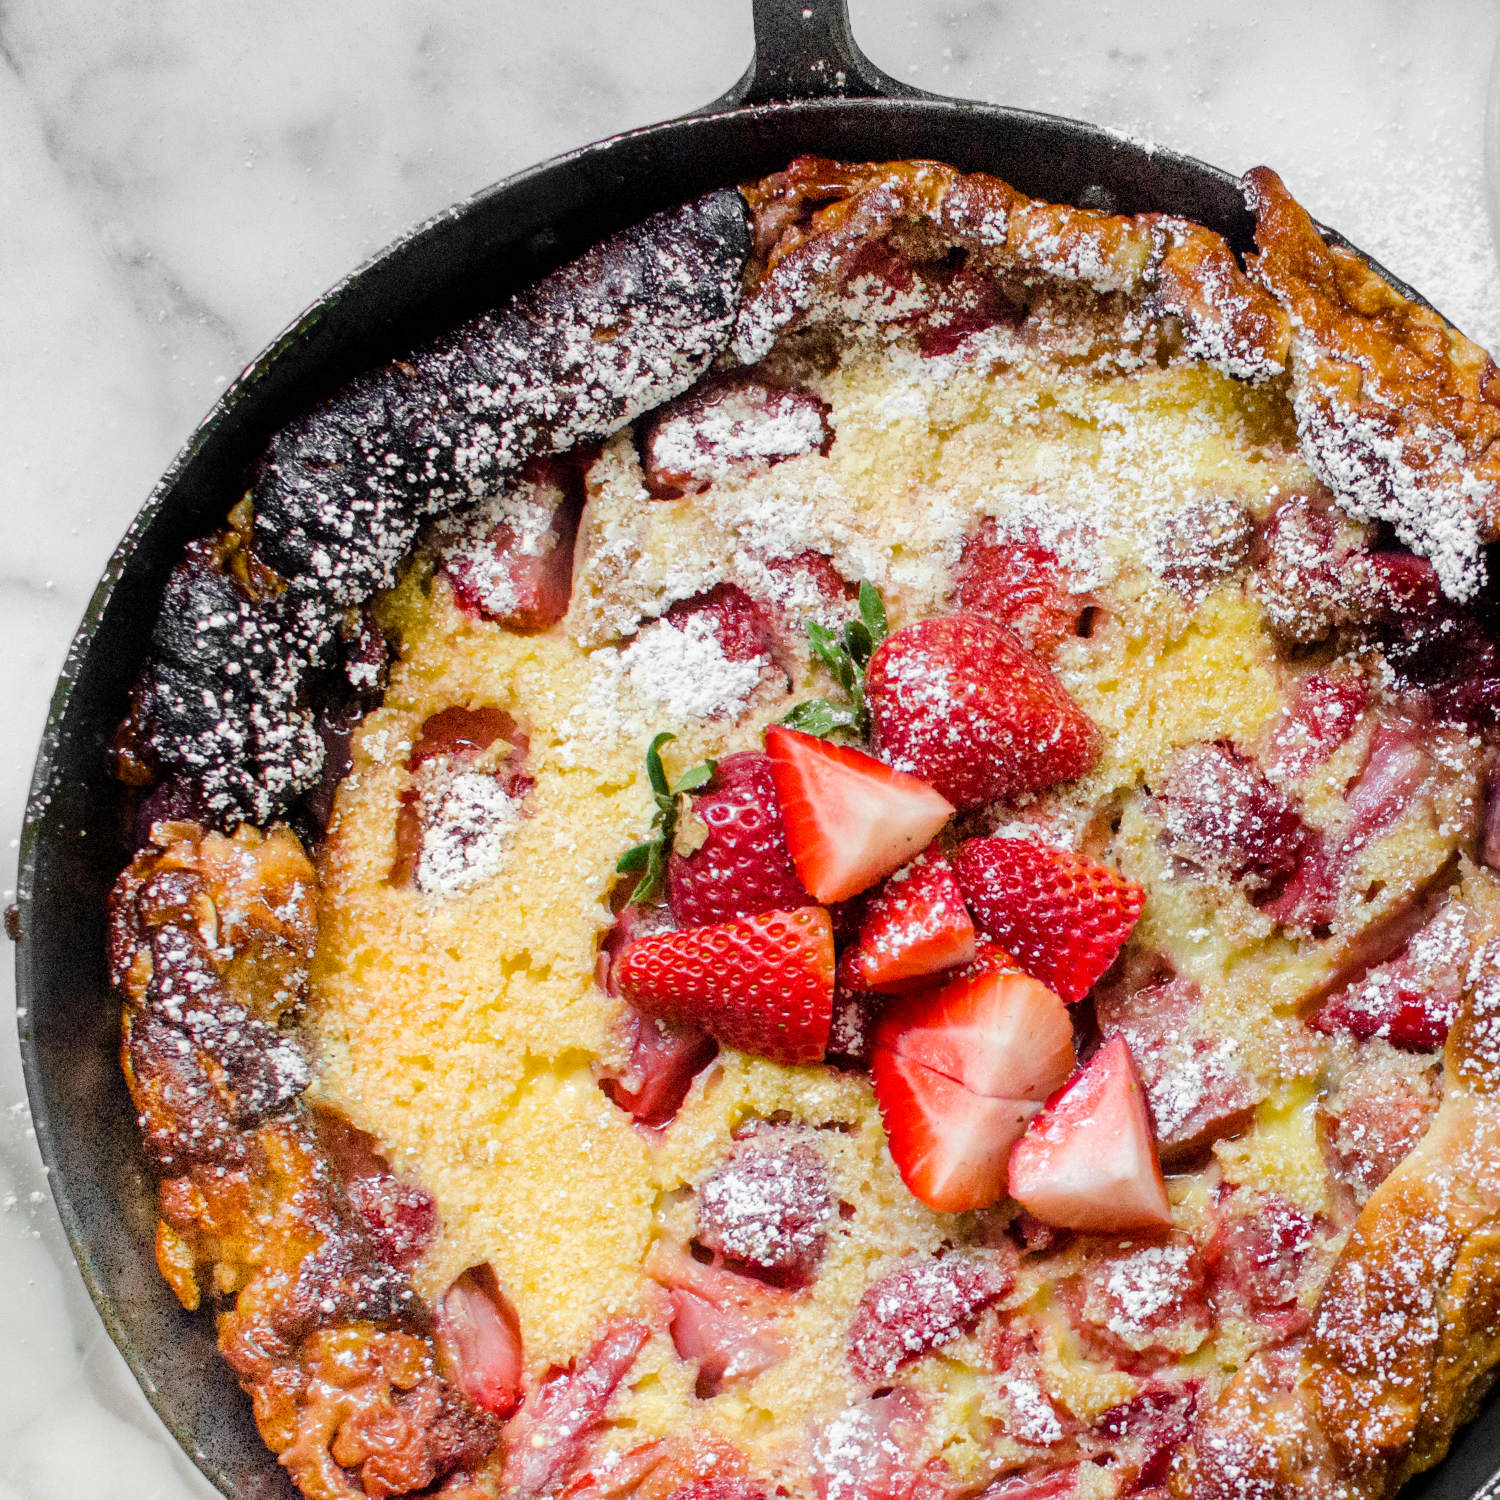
point(819, 845)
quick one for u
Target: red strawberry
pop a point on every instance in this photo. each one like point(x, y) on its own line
point(480, 1341)
point(511, 559)
point(730, 425)
point(1088, 1161)
point(763, 984)
point(960, 702)
point(742, 866)
point(999, 1035)
point(849, 818)
point(951, 1146)
point(914, 926)
point(1062, 917)
point(1018, 582)
point(958, 1071)
point(549, 1437)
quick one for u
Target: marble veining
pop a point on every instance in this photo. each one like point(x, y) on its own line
point(177, 181)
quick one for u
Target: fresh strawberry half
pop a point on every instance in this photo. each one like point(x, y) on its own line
point(742, 865)
point(915, 925)
point(958, 1071)
point(961, 702)
point(1063, 918)
point(1088, 1161)
point(950, 1145)
point(763, 984)
point(1000, 1035)
point(850, 819)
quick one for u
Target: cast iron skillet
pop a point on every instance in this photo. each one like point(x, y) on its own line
point(809, 89)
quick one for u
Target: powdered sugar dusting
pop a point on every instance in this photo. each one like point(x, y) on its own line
point(682, 670)
point(468, 821)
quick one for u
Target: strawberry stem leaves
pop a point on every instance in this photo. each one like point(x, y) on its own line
point(845, 656)
point(649, 858)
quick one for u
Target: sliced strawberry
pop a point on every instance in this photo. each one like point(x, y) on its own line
point(547, 1439)
point(1223, 813)
point(1144, 1432)
point(1196, 1083)
point(999, 1035)
point(960, 702)
point(742, 865)
point(871, 1450)
point(706, 656)
point(1139, 1303)
point(768, 1206)
point(724, 1321)
point(1412, 998)
point(511, 559)
point(1320, 715)
point(1063, 918)
point(1376, 1116)
point(924, 1303)
point(849, 818)
point(971, 301)
point(763, 984)
point(1257, 1256)
point(1019, 582)
point(949, 1144)
point(915, 925)
point(664, 1059)
point(479, 1337)
point(1088, 1160)
point(729, 425)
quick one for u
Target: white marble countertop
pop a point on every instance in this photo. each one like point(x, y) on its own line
point(177, 181)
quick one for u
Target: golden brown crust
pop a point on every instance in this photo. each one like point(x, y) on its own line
point(1398, 412)
point(211, 938)
point(1405, 1340)
point(814, 219)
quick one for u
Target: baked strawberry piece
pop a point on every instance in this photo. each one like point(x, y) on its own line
point(1018, 581)
point(914, 926)
point(742, 866)
point(706, 657)
point(725, 1321)
point(1224, 814)
point(464, 799)
point(961, 702)
point(849, 818)
point(1088, 1161)
point(1321, 713)
point(763, 983)
point(921, 1305)
point(958, 1071)
point(1410, 1000)
point(511, 559)
point(1141, 1303)
point(1063, 918)
point(768, 1206)
point(1196, 1085)
point(480, 1338)
point(549, 1437)
point(733, 425)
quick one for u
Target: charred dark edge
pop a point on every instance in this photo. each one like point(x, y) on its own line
point(221, 709)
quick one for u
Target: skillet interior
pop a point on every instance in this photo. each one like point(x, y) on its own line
point(469, 258)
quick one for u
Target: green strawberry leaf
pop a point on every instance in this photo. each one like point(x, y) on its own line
point(845, 658)
point(817, 716)
point(649, 858)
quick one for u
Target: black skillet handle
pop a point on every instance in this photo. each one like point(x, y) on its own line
point(805, 50)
